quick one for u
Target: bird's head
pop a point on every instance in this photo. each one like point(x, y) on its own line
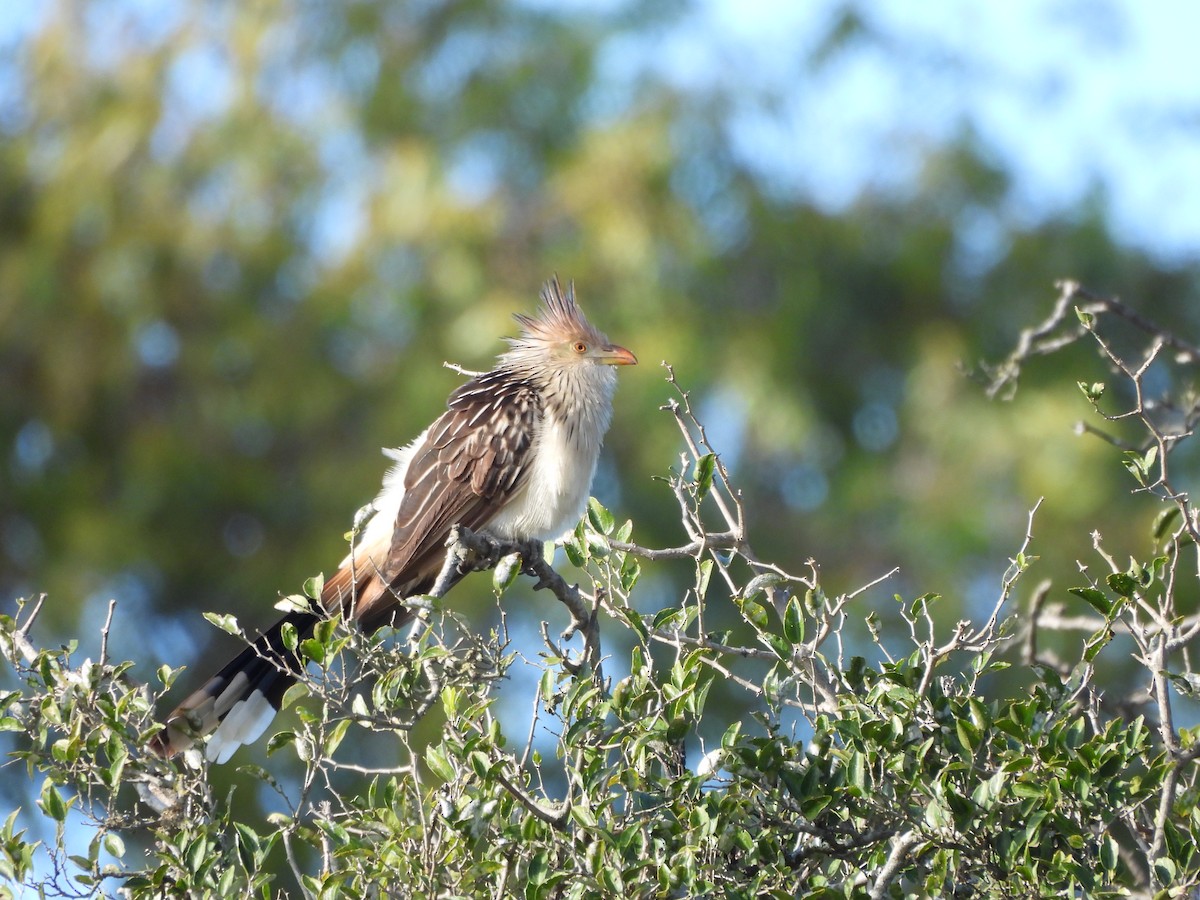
point(560, 337)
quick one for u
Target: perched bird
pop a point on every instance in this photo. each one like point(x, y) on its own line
point(513, 456)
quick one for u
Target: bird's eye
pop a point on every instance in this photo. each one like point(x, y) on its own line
point(579, 347)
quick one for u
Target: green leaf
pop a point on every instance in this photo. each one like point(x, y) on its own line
point(506, 573)
point(1096, 643)
point(1165, 870)
point(51, 802)
point(313, 649)
point(704, 574)
point(981, 716)
point(575, 546)
point(113, 845)
point(439, 762)
point(664, 617)
point(634, 618)
point(1164, 522)
point(1095, 598)
point(1123, 583)
point(480, 764)
point(314, 587)
point(598, 545)
point(631, 570)
point(289, 636)
point(293, 603)
point(600, 518)
point(336, 733)
point(968, 734)
point(538, 871)
point(782, 647)
point(1086, 319)
point(759, 583)
point(279, 740)
point(753, 612)
point(1109, 853)
point(294, 693)
point(856, 770)
point(793, 621)
point(937, 815)
point(227, 623)
point(1139, 463)
point(702, 474)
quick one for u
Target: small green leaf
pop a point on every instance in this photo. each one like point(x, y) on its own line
point(1085, 318)
point(782, 648)
point(664, 617)
point(575, 546)
point(1165, 870)
point(293, 603)
point(600, 518)
point(759, 583)
point(754, 613)
point(506, 573)
point(1109, 853)
point(314, 587)
point(793, 621)
point(702, 474)
point(1164, 522)
point(279, 740)
point(289, 636)
point(336, 733)
point(1027, 791)
point(438, 762)
point(113, 844)
point(227, 623)
point(598, 545)
point(51, 802)
point(1096, 643)
point(1122, 583)
point(1095, 598)
point(313, 649)
point(703, 576)
point(479, 763)
point(1149, 459)
point(634, 618)
point(968, 734)
point(631, 568)
point(1139, 463)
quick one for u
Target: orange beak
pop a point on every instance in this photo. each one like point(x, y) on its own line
point(614, 355)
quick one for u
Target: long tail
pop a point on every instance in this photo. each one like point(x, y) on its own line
point(238, 703)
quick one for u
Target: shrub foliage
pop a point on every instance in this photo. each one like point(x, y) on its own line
point(982, 757)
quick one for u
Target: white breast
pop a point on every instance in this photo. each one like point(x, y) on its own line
point(556, 491)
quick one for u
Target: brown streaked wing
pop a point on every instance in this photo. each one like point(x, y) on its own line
point(473, 460)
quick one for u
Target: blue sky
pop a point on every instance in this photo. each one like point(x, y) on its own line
point(1071, 95)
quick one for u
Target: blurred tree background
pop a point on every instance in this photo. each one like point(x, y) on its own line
point(237, 241)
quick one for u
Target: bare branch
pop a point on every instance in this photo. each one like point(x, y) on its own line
point(900, 847)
